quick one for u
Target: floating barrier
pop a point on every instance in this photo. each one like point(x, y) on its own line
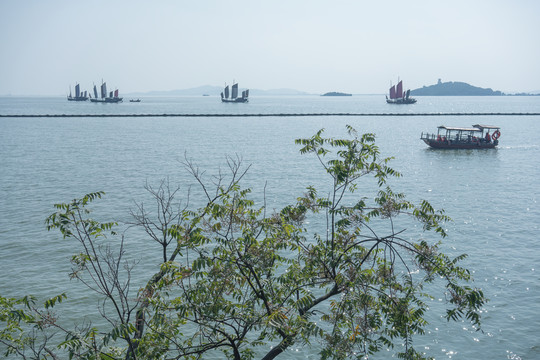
point(261, 115)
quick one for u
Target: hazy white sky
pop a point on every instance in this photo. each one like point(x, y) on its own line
point(310, 45)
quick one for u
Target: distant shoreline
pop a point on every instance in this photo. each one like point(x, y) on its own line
point(252, 92)
point(259, 115)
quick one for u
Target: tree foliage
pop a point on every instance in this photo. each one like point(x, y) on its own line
point(333, 271)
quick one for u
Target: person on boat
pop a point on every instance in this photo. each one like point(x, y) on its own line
point(488, 137)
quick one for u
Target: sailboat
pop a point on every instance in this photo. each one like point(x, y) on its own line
point(112, 98)
point(234, 95)
point(398, 96)
point(79, 96)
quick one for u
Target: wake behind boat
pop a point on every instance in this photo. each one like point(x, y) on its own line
point(398, 96)
point(112, 98)
point(234, 95)
point(448, 137)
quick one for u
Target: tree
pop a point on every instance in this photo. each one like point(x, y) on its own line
point(239, 281)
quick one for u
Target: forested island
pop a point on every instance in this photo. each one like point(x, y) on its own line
point(454, 88)
point(334, 93)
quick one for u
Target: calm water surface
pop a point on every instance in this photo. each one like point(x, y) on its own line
point(492, 195)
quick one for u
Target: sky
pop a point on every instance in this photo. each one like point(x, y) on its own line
point(316, 46)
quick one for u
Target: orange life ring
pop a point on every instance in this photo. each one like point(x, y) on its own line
point(496, 135)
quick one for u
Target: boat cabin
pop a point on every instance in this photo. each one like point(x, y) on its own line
point(478, 136)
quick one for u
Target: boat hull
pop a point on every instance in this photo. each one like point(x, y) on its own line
point(401, 101)
point(107, 100)
point(237, 100)
point(436, 144)
point(80, 98)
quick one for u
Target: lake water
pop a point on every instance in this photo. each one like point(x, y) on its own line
point(492, 195)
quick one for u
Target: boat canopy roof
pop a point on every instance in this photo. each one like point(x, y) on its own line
point(476, 127)
point(486, 126)
point(451, 128)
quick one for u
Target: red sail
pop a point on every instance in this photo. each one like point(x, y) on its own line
point(393, 92)
point(399, 91)
point(116, 93)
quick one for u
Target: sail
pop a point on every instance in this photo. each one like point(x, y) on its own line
point(103, 90)
point(95, 92)
point(234, 94)
point(227, 92)
point(77, 90)
point(393, 92)
point(399, 90)
point(110, 94)
point(408, 93)
point(116, 93)
point(247, 92)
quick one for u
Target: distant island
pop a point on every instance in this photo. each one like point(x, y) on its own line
point(456, 88)
point(334, 93)
point(537, 93)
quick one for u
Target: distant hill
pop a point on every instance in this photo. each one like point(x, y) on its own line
point(216, 91)
point(454, 89)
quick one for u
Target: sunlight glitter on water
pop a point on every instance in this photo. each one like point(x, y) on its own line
point(491, 196)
